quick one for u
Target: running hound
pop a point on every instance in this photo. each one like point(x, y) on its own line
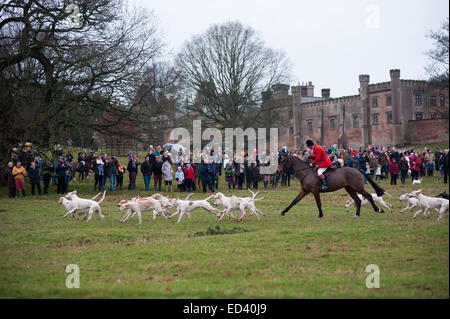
point(237, 203)
point(185, 206)
point(81, 204)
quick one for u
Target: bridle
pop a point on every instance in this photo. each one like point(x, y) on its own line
point(304, 168)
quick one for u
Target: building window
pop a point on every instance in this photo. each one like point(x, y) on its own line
point(419, 115)
point(291, 114)
point(418, 99)
point(355, 120)
point(375, 102)
point(309, 126)
point(432, 100)
point(442, 100)
point(291, 131)
point(389, 117)
point(388, 100)
point(332, 125)
point(434, 115)
point(375, 119)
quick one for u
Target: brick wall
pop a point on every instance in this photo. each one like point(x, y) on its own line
point(428, 131)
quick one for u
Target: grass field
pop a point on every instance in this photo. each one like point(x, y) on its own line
point(295, 256)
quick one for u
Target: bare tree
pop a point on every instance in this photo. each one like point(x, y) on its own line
point(439, 55)
point(225, 70)
point(67, 74)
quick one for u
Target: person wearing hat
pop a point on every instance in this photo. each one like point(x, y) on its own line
point(9, 177)
point(321, 160)
point(60, 170)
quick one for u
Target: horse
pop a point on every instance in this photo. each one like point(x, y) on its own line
point(345, 177)
point(84, 171)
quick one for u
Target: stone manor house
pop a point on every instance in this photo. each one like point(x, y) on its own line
point(397, 112)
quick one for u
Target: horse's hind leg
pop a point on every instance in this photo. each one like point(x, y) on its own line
point(355, 198)
point(319, 203)
point(302, 194)
point(369, 197)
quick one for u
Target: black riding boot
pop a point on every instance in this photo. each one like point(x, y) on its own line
point(324, 185)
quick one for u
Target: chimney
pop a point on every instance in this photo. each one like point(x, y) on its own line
point(326, 93)
point(310, 89)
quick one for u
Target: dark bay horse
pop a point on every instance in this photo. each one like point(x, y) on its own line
point(345, 177)
point(83, 171)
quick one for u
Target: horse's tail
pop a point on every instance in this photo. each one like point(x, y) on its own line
point(377, 188)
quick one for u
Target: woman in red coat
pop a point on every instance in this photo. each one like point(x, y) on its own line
point(321, 160)
point(415, 163)
point(189, 175)
point(394, 170)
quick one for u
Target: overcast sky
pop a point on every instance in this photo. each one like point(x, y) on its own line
point(329, 42)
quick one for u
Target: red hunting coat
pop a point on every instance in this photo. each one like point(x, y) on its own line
point(320, 157)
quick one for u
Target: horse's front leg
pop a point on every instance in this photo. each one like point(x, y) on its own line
point(319, 203)
point(302, 194)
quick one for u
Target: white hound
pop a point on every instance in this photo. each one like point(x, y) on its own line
point(81, 203)
point(427, 203)
point(350, 203)
point(138, 205)
point(69, 206)
point(186, 206)
point(237, 203)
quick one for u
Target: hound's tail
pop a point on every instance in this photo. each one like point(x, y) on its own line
point(103, 197)
point(96, 196)
point(187, 197)
point(388, 194)
point(258, 198)
point(377, 188)
point(254, 194)
point(209, 197)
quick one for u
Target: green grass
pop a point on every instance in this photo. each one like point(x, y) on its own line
point(295, 256)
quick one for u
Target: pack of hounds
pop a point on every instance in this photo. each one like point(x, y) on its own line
point(161, 205)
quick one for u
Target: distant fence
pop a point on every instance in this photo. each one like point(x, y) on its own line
point(117, 149)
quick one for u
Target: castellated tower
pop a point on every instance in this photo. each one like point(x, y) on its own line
point(398, 129)
point(297, 113)
point(365, 109)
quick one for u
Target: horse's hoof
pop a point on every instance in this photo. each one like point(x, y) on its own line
point(355, 216)
point(320, 216)
point(381, 211)
point(282, 213)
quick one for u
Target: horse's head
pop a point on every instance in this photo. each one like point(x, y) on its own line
point(286, 162)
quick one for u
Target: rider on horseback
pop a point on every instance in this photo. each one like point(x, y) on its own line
point(321, 160)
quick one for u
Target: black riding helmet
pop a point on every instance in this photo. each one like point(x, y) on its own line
point(309, 143)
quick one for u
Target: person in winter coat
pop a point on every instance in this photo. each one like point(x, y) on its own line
point(10, 181)
point(121, 169)
point(403, 167)
point(189, 177)
point(382, 161)
point(60, 170)
point(394, 170)
point(179, 177)
point(229, 172)
point(157, 172)
point(372, 163)
point(19, 174)
point(168, 174)
point(35, 178)
point(415, 162)
point(146, 170)
point(110, 172)
point(133, 171)
point(255, 175)
point(206, 175)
